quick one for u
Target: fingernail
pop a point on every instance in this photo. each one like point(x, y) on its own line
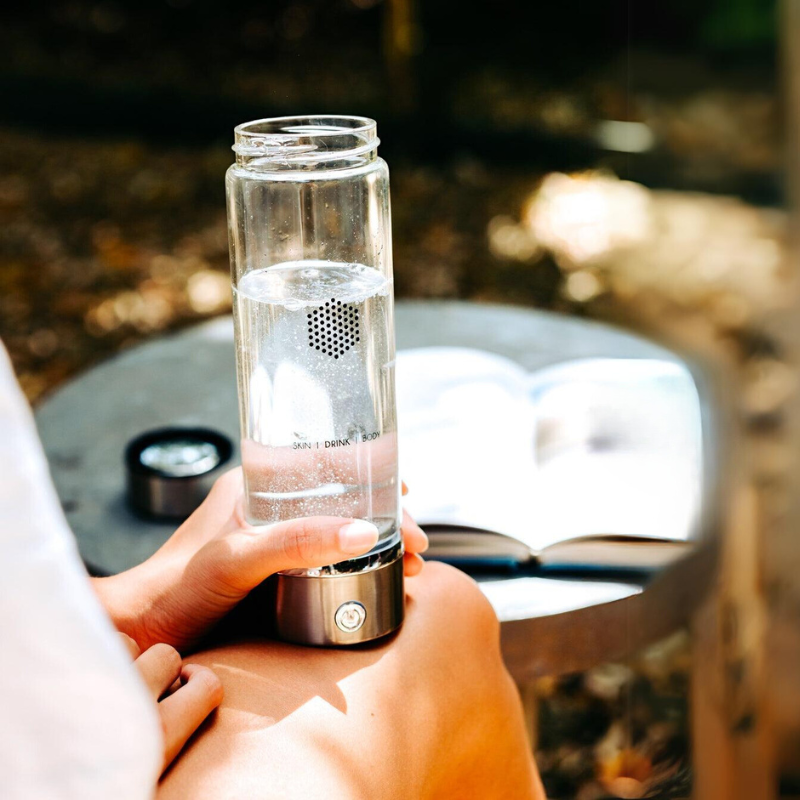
point(357, 537)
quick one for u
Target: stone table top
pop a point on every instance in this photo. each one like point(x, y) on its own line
point(550, 625)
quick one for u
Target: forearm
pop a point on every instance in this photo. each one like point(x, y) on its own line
point(164, 599)
point(130, 599)
point(112, 593)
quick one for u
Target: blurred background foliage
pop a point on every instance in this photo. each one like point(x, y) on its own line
point(117, 119)
point(618, 160)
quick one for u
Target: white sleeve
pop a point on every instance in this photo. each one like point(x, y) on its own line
point(76, 722)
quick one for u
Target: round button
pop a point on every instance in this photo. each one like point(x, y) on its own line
point(350, 616)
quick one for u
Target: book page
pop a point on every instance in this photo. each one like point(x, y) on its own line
point(466, 439)
point(587, 448)
point(618, 450)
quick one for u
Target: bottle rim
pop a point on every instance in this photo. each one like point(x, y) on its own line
point(314, 138)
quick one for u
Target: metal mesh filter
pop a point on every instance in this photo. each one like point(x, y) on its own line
point(334, 328)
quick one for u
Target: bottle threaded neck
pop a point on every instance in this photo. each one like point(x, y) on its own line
point(306, 142)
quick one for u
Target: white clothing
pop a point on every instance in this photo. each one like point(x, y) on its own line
point(76, 722)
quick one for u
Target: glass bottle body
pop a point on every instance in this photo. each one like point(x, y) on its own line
point(310, 238)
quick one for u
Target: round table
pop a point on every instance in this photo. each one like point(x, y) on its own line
point(549, 625)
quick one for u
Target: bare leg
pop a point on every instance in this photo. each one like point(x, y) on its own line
point(431, 713)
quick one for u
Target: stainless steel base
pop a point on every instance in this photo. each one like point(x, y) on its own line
point(339, 609)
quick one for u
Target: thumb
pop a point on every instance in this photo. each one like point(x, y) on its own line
point(255, 553)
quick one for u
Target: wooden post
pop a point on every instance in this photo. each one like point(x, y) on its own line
point(782, 545)
point(530, 707)
point(731, 731)
point(746, 681)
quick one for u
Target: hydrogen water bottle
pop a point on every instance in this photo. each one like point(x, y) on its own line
point(311, 265)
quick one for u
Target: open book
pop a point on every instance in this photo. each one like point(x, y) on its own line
point(591, 464)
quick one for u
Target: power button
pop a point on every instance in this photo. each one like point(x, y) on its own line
point(350, 616)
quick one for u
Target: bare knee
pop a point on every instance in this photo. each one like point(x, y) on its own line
point(458, 587)
point(443, 591)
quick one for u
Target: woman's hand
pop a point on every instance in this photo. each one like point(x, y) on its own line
point(216, 558)
point(185, 694)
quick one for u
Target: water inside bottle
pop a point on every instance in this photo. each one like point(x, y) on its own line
point(316, 373)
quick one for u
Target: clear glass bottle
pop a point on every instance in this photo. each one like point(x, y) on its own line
point(311, 264)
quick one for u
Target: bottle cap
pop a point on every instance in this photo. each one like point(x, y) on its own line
point(171, 470)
